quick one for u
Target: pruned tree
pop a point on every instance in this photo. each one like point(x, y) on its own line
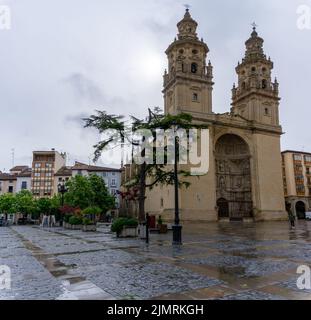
point(116, 131)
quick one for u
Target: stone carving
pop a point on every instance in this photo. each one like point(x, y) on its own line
point(234, 176)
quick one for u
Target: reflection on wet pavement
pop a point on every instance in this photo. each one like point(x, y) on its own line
point(217, 261)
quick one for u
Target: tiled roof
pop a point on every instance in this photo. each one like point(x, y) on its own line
point(82, 166)
point(19, 168)
point(64, 171)
point(25, 173)
point(7, 176)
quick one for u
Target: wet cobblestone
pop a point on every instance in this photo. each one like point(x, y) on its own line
point(229, 258)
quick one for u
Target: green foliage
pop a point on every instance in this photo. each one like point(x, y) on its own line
point(89, 192)
point(102, 197)
point(8, 203)
point(160, 221)
point(87, 222)
point(92, 211)
point(118, 133)
point(80, 193)
point(118, 224)
point(25, 203)
point(75, 220)
point(44, 205)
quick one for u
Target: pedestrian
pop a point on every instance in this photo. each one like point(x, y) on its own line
point(291, 216)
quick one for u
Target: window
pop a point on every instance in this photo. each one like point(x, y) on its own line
point(113, 192)
point(297, 157)
point(11, 189)
point(308, 159)
point(24, 185)
point(195, 97)
point(37, 165)
point(113, 173)
point(264, 84)
point(37, 174)
point(194, 68)
point(308, 170)
point(113, 182)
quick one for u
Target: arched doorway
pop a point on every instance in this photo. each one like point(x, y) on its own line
point(223, 208)
point(233, 174)
point(301, 210)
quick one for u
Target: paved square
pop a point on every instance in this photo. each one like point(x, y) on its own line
point(217, 261)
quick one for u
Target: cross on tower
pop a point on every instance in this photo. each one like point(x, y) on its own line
point(187, 6)
point(254, 25)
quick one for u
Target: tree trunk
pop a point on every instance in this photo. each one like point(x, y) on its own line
point(142, 193)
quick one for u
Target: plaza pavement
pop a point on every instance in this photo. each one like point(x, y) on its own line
point(217, 261)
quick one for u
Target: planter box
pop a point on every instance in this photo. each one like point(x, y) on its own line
point(76, 227)
point(89, 228)
point(128, 232)
point(163, 229)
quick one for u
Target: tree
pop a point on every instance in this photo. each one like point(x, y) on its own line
point(117, 132)
point(80, 193)
point(91, 191)
point(102, 198)
point(24, 203)
point(7, 204)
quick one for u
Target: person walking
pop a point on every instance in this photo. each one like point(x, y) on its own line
point(291, 216)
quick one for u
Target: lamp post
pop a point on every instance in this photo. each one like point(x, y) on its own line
point(62, 189)
point(177, 228)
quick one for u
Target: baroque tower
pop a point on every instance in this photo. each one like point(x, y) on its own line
point(256, 97)
point(188, 83)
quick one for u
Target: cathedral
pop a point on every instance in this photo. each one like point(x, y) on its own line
point(244, 182)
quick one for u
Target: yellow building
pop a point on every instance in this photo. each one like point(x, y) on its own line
point(244, 181)
point(297, 181)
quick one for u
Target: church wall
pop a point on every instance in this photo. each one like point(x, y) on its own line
point(270, 203)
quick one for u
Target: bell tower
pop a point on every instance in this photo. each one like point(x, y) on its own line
point(188, 82)
point(256, 97)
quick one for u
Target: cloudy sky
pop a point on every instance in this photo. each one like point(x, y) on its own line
point(64, 58)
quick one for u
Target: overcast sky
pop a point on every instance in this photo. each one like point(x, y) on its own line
point(62, 59)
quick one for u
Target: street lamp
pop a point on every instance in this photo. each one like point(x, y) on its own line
point(177, 228)
point(62, 189)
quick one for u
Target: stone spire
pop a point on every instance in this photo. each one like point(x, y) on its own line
point(187, 27)
point(254, 46)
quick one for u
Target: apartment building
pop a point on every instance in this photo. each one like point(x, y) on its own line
point(18, 179)
point(44, 166)
point(111, 176)
point(297, 181)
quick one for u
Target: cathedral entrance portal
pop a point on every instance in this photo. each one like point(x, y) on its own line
point(233, 173)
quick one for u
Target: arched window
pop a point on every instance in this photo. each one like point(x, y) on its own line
point(243, 85)
point(264, 84)
point(194, 68)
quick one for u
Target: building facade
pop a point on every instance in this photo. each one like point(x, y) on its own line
point(297, 181)
point(44, 166)
point(111, 176)
point(244, 181)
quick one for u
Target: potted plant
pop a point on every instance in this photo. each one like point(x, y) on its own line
point(125, 227)
point(75, 222)
point(162, 227)
point(88, 225)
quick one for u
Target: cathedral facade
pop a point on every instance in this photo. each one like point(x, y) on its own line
point(244, 182)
